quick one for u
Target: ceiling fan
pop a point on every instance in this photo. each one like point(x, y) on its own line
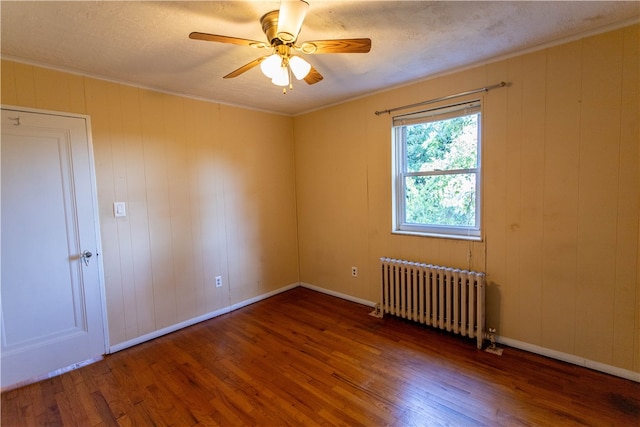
point(281, 28)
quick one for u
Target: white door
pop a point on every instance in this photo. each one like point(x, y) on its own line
point(51, 308)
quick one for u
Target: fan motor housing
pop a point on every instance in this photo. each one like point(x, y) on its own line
point(269, 23)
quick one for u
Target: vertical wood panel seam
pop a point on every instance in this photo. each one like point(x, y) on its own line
point(616, 256)
point(620, 173)
point(543, 207)
point(617, 218)
point(146, 200)
point(636, 323)
point(128, 222)
point(165, 141)
point(225, 223)
point(577, 207)
point(109, 137)
point(544, 185)
point(513, 237)
point(200, 137)
point(195, 213)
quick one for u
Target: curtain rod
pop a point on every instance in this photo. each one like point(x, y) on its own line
point(444, 98)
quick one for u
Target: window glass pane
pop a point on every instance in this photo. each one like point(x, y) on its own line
point(441, 200)
point(442, 145)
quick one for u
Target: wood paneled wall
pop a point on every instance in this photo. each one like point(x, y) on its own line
point(209, 191)
point(561, 191)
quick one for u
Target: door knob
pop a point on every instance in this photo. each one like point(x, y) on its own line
point(86, 255)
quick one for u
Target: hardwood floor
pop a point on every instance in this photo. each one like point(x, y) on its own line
point(305, 358)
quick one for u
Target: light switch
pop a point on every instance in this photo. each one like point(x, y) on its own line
point(119, 209)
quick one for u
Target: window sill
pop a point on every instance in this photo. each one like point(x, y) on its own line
point(438, 235)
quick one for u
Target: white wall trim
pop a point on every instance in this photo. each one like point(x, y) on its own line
point(198, 319)
point(338, 294)
point(571, 358)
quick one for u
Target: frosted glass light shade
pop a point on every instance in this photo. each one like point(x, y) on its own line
point(281, 78)
point(271, 66)
point(299, 67)
point(291, 15)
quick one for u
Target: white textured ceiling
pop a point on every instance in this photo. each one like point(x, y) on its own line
point(146, 43)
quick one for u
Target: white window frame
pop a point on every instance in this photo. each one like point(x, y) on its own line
point(400, 226)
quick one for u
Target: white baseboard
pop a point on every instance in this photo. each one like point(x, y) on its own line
point(193, 321)
point(570, 358)
point(338, 294)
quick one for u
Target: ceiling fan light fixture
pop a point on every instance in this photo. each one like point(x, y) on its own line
point(282, 27)
point(271, 66)
point(281, 78)
point(299, 67)
point(291, 15)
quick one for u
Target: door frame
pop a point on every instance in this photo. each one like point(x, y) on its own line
point(96, 213)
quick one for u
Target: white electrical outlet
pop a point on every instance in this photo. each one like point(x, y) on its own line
point(218, 281)
point(354, 271)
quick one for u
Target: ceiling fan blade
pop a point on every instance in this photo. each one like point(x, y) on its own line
point(313, 76)
point(226, 39)
point(336, 46)
point(245, 67)
point(290, 17)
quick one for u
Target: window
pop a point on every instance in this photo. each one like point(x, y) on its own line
point(437, 171)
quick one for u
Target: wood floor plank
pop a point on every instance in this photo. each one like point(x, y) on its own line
point(305, 358)
point(10, 405)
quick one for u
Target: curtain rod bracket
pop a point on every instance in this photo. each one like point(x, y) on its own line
point(444, 98)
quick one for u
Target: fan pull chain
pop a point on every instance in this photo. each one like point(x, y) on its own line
point(284, 89)
point(290, 80)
